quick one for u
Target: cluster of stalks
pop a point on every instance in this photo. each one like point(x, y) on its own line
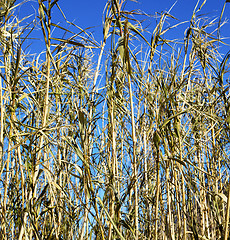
point(126, 139)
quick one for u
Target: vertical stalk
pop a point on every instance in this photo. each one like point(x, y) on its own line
point(1, 119)
point(47, 36)
point(170, 217)
point(226, 227)
point(147, 214)
point(157, 192)
point(7, 49)
point(177, 187)
point(184, 206)
point(226, 231)
point(134, 163)
point(113, 163)
point(183, 191)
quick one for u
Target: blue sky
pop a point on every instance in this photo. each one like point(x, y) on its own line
point(88, 13)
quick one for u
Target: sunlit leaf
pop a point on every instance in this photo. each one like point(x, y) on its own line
point(223, 197)
point(136, 30)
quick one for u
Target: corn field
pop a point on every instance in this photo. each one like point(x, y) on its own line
point(126, 137)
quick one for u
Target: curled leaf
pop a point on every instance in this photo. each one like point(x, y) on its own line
point(223, 197)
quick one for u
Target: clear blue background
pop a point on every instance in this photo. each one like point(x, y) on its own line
point(89, 13)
